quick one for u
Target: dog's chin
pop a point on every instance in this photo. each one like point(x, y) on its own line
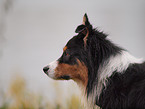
point(51, 75)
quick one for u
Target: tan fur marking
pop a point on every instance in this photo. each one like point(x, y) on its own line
point(84, 20)
point(78, 73)
point(64, 48)
point(85, 38)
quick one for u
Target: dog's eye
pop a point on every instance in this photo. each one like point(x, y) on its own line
point(66, 57)
point(67, 54)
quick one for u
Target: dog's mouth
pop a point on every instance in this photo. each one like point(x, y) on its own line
point(65, 77)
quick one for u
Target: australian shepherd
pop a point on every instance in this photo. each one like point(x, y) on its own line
point(110, 76)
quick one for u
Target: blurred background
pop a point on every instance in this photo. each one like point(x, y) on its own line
point(34, 32)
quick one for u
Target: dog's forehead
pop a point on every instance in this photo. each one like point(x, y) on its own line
point(75, 42)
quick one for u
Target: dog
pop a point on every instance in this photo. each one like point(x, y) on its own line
point(110, 76)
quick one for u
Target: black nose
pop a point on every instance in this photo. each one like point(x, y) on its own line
point(45, 69)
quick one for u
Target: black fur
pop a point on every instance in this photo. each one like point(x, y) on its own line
point(99, 49)
point(65, 77)
point(124, 90)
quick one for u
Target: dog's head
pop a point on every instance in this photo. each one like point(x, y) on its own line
point(73, 64)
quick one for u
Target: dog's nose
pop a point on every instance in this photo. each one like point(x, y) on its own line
point(45, 69)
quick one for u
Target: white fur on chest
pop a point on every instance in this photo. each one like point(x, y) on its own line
point(118, 63)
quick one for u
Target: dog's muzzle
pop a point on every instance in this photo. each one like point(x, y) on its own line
point(50, 69)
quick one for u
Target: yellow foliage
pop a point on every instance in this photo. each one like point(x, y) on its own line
point(74, 103)
point(21, 98)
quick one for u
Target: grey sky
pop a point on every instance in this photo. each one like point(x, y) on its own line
point(37, 30)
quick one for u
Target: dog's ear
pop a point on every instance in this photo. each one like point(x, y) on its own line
point(84, 28)
point(80, 28)
point(86, 32)
point(86, 20)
